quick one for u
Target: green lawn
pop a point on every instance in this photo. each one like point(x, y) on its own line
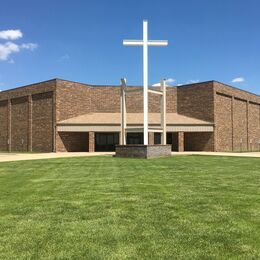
point(184, 207)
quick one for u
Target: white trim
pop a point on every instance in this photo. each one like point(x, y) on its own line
point(117, 128)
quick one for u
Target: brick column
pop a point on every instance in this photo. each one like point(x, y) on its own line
point(151, 138)
point(91, 142)
point(9, 109)
point(247, 127)
point(180, 141)
point(55, 132)
point(30, 123)
point(232, 119)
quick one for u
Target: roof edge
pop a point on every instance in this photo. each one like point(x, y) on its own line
point(25, 86)
point(197, 83)
point(236, 88)
point(108, 85)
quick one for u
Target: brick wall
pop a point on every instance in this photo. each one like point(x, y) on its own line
point(31, 89)
point(239, 125)
point(232, 91)
point(19, 124)
point(36, 108)
point(254, 127)
point(196, 100)
point(199, 141)
point(31, 121)
point(72, 99)
point(223, 123)
point(107, 100)
point(73, 142)
point(42, 122)
point(171, 100)
point(237, 119)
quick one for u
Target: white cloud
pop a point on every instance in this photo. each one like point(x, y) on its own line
point(237, 80)
point(11, 34)
point(29, 46)
point(159, 84)
point(170, 80)
point(167, 82)
point(6, 49)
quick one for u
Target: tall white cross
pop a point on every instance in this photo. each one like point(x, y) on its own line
point(145, 43)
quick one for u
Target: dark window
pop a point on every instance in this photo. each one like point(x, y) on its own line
point(135, 138)
point(169, 138)
point(157, 138)
point(105, 142)
point(172, 138)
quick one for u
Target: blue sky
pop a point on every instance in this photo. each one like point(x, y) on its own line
point(82, 41)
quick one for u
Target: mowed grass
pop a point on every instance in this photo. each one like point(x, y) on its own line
point(183, 207)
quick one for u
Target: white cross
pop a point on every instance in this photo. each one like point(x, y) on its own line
point(145, 43)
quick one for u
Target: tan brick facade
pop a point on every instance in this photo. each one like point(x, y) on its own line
point(237, 119)
point(42, 123)
point(196, 100)
point(19, 124)
point(27, 118)
point(28, 115)
point(106, 99)
point(199, 141)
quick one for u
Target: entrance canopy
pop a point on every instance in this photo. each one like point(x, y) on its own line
point(111, 122)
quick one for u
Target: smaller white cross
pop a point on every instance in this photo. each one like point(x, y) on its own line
point(145, 43)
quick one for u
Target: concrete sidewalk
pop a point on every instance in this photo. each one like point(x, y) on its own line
point(9, 157)
point(250, 154)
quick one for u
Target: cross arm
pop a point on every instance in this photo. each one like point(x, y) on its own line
point(141, 43)
point(157, 43)
point(133, 42)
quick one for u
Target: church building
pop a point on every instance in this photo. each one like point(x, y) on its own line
point(64, 116)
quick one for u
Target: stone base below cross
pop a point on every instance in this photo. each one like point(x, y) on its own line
point(143, 151)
